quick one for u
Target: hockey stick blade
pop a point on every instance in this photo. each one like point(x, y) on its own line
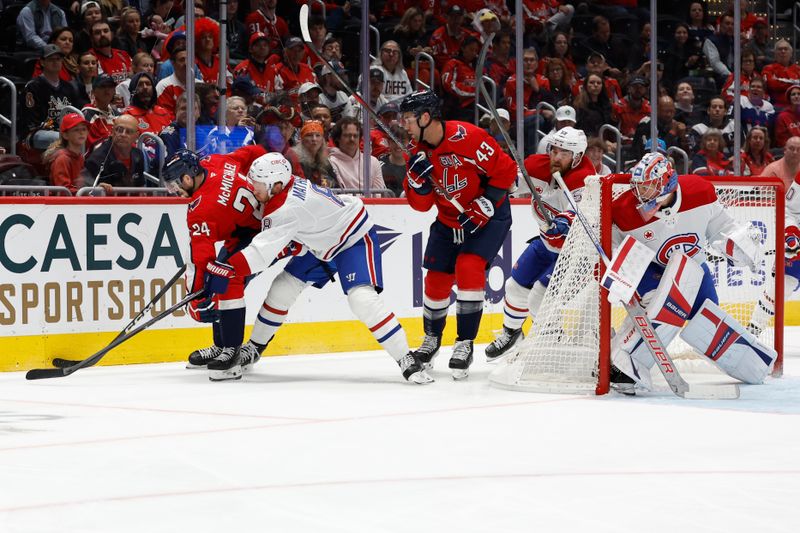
point(58, 362)
point(45, 373)
point(711, 392)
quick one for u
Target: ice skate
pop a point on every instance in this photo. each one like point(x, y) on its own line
point(502, 345)
point(621, 382)
point(250, 355)
point(461, 359)
point(227, 365)
point(428, 351)
point(200, 358)
point(413, 370)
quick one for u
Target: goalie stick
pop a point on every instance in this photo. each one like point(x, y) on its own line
point(304, 10)
point(537, 200)
point(44, 373)
point(63, 363)
point(645, 328)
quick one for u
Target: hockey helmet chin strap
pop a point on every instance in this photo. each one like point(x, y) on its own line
point(421, 127)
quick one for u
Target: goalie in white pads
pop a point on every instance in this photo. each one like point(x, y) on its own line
point(674, 217)
point(338, 236)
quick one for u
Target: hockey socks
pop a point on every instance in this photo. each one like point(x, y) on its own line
point(434, 315)
point(469, 309)
point(282, 294)
point(368, 306)
point(232, 326)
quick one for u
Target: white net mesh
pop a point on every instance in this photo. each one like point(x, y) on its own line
point(562, 350)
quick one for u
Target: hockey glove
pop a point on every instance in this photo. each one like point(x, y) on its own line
point(555, 235)
point(418, 174)
point(218, 275)
point(477, 214)
point(290, 250)
point(204, 310)
point(792, 243)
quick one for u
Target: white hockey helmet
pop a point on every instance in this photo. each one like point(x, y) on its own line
point(269, 169)
point(572, 140)
point(652, 179)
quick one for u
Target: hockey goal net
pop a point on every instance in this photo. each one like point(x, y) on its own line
point(567, 349)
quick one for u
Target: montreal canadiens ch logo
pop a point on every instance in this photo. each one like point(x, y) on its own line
point(687, 243)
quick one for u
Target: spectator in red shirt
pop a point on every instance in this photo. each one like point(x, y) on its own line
point(149, 115)
point(264, 20)
point(533, 90)
point(748, 73)
point(65, 156)
point(558, 48)
point(596, 64)
point(755, 153)
point(711, 160)
point(446, 40)
point(63, 38)
point(111, 61)
point(501, 65)
point(458, 80)
point(318, 32)
point(206, 34)
point(100, 114)
point(292, 72)
point(781, 74)
point(632, 109)
point(258, 61)
point(171, 87)
point(788, 122)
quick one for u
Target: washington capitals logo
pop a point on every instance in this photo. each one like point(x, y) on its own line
point(459, 135)
point(193, 205)
point(648, 235)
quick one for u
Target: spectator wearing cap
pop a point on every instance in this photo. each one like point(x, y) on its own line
point(760, 45)
point(565, 116)
point(244, 87)
point(458, 81)
point(377, 99)
point(717, 118)
point(280, 121)
point(142, 62)
point(128, 37)
point(788, 122)
point(44, 97)
point(533, 90)
point(313, 155)
point(396, 84)
point(64, 158)
point(347, 158)
point(593, 106)
point(62, 37)
point(755, 109)
point(116, 63)
point(446, 40)
point(292, 72)
point(411, 35)
point(170, 88)
point(505, 122)
point(781, 74)
point(263, 19)
point(144, 107)
point(175, 40)
point(379, 140)
point(37, 20)
point(332, 96)
point(668, 129)
point(174, 135)
point(87, 72)
point(100, 114)
point(602, 41)
point(258, 61)
point(631, 109)
point(394, 162)
point(747, 74)
point(117, 162)
point(685, 109)
point(596, 64)
point(90, 13)
point(309, 97)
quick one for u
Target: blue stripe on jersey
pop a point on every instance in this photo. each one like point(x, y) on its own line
point(332, 253)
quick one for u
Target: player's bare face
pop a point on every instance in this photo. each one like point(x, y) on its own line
point(560, 160)
point(409, 122)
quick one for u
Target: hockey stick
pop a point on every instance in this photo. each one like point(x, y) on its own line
point(648, 333)
point(44, 373)
point(63, 363)
point(537, 200)
point(304, 10)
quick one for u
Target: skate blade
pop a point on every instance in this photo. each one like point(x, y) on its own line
point(460, 373)
point(249, 366)
point(225, 375)
point(191, 366)
point(420, 378)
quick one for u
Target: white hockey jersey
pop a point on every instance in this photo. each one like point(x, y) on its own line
point(793, 205)
point(309, 214)
point(694, 220)
point(538, 168)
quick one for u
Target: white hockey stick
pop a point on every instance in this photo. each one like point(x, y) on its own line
point(642, 323)
point(304, 10)
point(537, 200)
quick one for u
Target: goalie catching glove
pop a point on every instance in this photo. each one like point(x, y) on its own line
point(418, 174)
point(792, 243)
point(556, 234)
point(742, 247)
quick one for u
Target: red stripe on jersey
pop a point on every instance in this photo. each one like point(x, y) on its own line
point(382, 323)
point(346, 233)
point(370, 262)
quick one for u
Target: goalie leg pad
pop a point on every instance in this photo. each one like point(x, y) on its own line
point(715, 334)
point(281, 296)
point(367, 305)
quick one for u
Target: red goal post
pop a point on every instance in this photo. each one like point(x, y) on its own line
point(567, 349)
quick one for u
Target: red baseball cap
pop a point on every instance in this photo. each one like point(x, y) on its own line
point(257, 36)
point(71, 120)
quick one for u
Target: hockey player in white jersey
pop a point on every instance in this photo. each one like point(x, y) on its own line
point(338, 236)
point(531, 271)
point(675, 218)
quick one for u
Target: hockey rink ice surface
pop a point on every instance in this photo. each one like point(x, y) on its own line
point(338, 443)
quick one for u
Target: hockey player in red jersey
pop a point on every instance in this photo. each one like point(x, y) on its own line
point(222, 208)
point(467, 163)
point(565, 155)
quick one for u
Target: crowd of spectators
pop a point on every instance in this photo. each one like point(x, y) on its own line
point(122, 63)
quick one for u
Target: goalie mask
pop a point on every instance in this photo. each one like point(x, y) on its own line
point(268, 170)
point(572, 140)
point(652, 179)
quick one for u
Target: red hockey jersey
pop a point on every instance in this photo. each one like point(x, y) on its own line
point(118, 65)
point(222, 209)
point(276, 29)
point(466, 161)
